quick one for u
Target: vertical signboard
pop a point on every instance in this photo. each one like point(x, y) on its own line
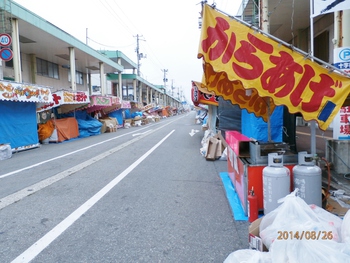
point(341, 127)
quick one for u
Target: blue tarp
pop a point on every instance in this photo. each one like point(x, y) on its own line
point(232, 198)
point(18, 123)
point(127, 114)
point(88, 126)
point(118, 114)
point(256, 128)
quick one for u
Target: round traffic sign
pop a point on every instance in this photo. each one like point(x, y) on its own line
point(6, 54)
point(5, 40)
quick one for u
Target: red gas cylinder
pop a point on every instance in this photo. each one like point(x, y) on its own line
point(252, 206)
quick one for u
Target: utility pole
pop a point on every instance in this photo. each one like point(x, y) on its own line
point(139, 55)
point(172, 88)
point(165, 80)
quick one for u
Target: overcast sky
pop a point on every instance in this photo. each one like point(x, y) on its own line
point(168, 32)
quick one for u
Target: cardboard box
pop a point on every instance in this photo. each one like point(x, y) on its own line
point(255, 242)
point(128, 121)
point(211, 149)
point(221, 146)
point(111, 129)
point(108, 123)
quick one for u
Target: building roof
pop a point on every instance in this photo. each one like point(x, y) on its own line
point(47, 41)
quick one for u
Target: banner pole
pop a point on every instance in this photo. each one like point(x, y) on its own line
point(313, 122)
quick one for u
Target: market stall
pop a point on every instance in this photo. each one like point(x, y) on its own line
point(57, 120)
point(18, 122)
point(65, 101)
point(248, 68)
point(119, 114)
point(202, 96)
point(64, 129)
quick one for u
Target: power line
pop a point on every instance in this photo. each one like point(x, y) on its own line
point(117, 47)
point(115, 15)
point(153, 58)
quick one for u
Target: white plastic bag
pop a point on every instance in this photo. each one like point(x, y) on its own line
point(345, 228)
point(248, 256)
point(5, 151)
point(310, 251)
point(223, 156)
point(295, 219)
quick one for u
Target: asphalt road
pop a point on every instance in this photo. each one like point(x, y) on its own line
point(143, 194)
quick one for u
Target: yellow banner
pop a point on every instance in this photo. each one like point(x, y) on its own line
point(236, 93)
point(240, 54)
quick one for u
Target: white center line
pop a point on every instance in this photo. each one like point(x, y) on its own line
point(47, 239)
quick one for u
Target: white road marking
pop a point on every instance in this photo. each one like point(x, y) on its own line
point(47, 239)
point(61, 156)
point(193, 132)
point(82, 149)
point(141, 133)
point(15, 197)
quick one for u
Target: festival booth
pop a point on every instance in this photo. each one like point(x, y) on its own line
point(202, 96)
point(88, 125)
point(18, 122)
point(165, 111)
point(57, 122)
point(149, 115)
point(257, 72)
point(119, 114)
point(110, 122)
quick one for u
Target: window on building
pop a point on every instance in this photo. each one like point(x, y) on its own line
point(321, 46)
point(79, 77)
point(9, 64)
point(46, 68)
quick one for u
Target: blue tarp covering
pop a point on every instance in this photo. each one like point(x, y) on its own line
point(118, 114)
point(18, 123)
point(135, 114)
point(127, 114)
point(88, 126)
point(256, 128)
point(232, 198)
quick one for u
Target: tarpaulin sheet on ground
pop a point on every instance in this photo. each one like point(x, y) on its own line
point(88, 126)
point(235, 54)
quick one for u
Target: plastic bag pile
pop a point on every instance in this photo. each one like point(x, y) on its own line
point(297, 232)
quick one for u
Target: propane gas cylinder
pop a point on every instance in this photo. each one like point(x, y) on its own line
point(276, 182)
point(307, 177)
